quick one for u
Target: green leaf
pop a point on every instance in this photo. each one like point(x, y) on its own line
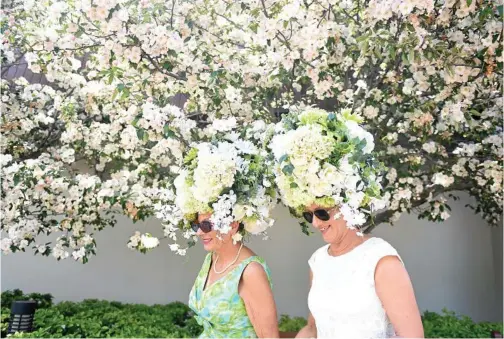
point(283, 158)
point(168, 132)
point(404, 58)
point(469, 2)
point(392, 52)
point(364, 46)
point(115, 94)
point(305, 228)
point(331, 116)
point(140, 133)
point(377, 52)
point(500, 9)
point(168, 66)
point(135, 121)
point(126, 93)
point(475, 112)
point(361, 144)
point(120, 87)
point(288, 169)
point(253, 27)
point(411, 56)
point(293, 185)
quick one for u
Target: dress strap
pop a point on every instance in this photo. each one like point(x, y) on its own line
point(246, 262)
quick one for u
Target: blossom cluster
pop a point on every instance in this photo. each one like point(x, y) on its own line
point(39, 198)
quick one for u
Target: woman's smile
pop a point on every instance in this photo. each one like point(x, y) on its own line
point(323, 230)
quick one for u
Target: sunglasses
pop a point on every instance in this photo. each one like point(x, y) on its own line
point(320, 214)
point(205, 226)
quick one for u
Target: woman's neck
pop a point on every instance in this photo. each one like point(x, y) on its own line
point(227, 252)
point(346, 243)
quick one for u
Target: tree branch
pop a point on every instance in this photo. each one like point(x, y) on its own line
point(349, 16)
point(286, 43)
point(230, 21)
point(171, 15)
point(156, 65)
point(264, 9)
point(80, 48)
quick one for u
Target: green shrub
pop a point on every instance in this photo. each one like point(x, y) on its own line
point(288, 324)
point(5, 321)
point(99, 319)
point(450, 325)
point(43, 300)
point(445, 325)
point(103, 319)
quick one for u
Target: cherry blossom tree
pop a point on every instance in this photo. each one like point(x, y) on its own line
point(424, 75)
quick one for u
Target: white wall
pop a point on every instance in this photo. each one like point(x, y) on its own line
point(451, 265)
point(497, 242)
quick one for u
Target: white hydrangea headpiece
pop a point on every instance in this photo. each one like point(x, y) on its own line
point(231, 177)
point(326, 159)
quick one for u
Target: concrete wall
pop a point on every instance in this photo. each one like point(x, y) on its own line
point(453, 265)
point(497, 241)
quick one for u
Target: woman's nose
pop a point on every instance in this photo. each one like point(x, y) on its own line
point(317, 223)
point(199, 232)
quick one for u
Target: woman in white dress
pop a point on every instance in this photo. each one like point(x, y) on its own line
point(327, 173)
point(359, 285)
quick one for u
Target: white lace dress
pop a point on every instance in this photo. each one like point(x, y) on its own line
point(343, 298)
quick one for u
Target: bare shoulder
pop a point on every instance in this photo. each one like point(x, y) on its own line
point(253, 280)
point(390, 262)
point(254, 272)
point(390, 267)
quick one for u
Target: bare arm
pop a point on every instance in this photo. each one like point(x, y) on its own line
point(310, 330)
point(394, 288)
point(257, 295)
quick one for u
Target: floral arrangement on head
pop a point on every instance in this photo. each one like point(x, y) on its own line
point(326, 158)
point(229, 176)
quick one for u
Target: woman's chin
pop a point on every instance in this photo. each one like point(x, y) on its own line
point(208, 245)
point(327, 236)
point(326, 239)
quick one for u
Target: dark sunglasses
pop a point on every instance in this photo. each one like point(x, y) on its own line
point(320, 214)
point(206, 226)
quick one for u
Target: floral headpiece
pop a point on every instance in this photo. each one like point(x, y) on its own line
point(326, 159)
point(230, 176)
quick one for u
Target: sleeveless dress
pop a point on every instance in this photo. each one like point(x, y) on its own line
point(343, 298)
point(219, 308)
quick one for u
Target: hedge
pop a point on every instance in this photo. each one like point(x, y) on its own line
point(445, 325)
point(104, 319)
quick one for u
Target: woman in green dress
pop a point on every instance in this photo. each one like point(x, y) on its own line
point(232, 295)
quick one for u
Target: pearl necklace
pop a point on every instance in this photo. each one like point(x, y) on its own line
point(228, 266)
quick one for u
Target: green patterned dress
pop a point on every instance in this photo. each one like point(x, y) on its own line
point(219, 308)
